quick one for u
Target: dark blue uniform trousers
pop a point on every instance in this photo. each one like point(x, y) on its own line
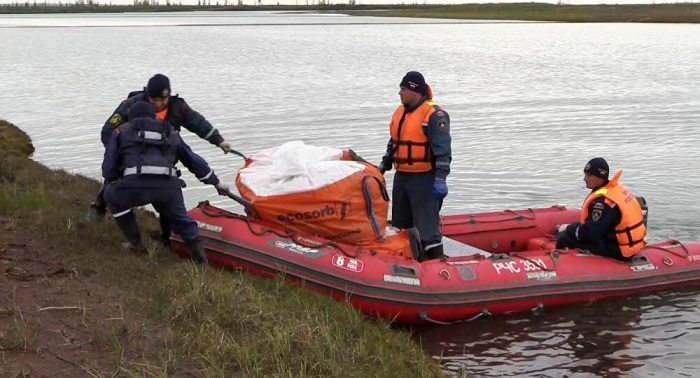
point(564, 240)
point(168, 202)
point(101, 206)
point(416, 206)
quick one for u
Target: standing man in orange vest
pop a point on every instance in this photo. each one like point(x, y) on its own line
point(612, 221)
point(420, 150)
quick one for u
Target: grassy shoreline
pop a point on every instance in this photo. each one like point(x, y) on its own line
point(157, 316)
point(649, 13)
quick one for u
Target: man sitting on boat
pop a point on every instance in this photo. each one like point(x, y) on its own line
point(612, 221)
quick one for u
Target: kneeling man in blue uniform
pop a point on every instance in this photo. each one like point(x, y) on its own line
point(139, 164)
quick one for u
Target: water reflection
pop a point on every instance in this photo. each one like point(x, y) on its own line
point(644, 336)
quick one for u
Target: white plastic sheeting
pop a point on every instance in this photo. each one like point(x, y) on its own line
point(296, 167)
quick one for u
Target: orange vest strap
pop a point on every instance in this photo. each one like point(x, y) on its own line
point(628, 232)
point(412, 152)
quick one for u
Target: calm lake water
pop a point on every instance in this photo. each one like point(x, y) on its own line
point(530, 103)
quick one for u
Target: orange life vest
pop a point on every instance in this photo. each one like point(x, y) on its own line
point(630, 232)
point(412, 151)
point(161, 115)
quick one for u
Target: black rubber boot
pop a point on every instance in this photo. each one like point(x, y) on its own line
point(416, 247)
point(130, 227)
point(97, 209)
point(197, 253)
point(436, 252)
point(95, 213)
point(164, 232)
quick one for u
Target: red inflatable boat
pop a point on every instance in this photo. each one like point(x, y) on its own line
point(495, 262)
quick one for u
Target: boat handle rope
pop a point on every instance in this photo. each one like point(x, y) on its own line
point(485, 312)
point(666, 260)
point(287, 234)
point(584, 251)
point(446, 274)
point(293, 236)
point(553, 254)
point(676, 242)
point(424, 316)
point(516, 216)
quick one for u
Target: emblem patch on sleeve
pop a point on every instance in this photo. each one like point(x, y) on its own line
point(115, 120)
point(442, 125)
point(596, 215)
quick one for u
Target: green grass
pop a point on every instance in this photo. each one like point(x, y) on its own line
point(14, 142)
point(663, 13)
point(666, 13)
point(21, 335)
point(200, 320)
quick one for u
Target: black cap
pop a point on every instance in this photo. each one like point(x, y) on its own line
point(158, 86)
point(414, 81)
point(597, 167)
point(142, 109)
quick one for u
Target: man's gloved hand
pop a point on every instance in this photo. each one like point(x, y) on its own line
point(222, 188)
point(440, 188)
point(561, 227)
point(225, 146)
point(382, 168)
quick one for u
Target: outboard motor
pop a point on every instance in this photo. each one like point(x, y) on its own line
point(645, 209)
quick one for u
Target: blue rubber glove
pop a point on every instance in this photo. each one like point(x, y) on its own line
point(440, 188)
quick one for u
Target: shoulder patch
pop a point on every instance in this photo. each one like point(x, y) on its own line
point(596, 215)
point(443, 125)
point(115, 120)
point(598, 206)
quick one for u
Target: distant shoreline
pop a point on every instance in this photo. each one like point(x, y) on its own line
point(646, 13)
